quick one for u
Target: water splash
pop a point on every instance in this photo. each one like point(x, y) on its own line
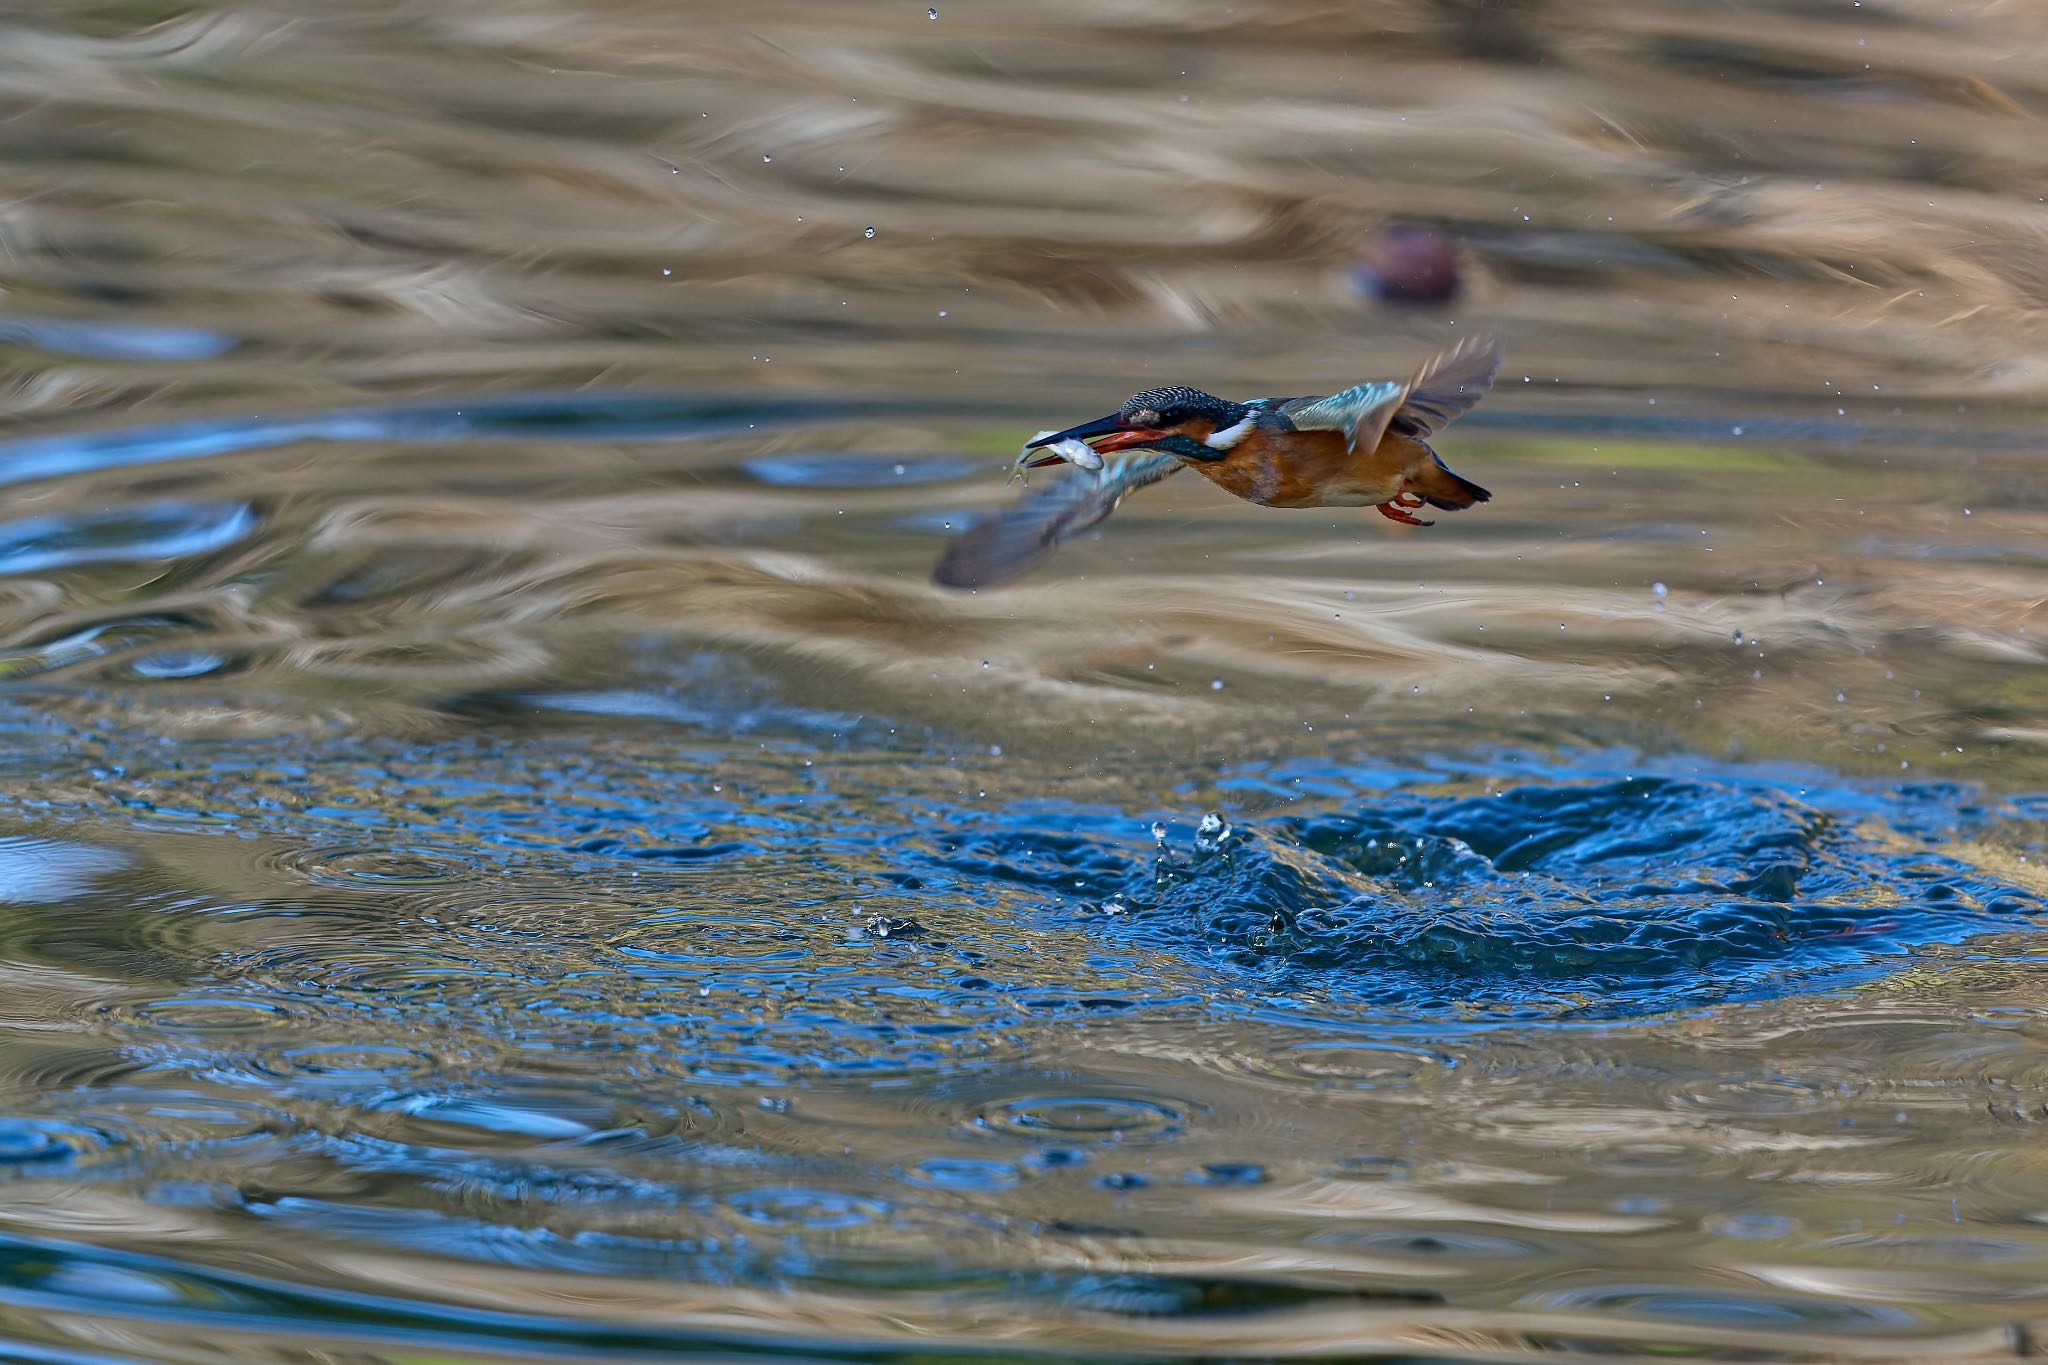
point(1591, 900)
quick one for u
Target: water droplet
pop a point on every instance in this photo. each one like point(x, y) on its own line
point(1659, 589)
point(1210, 834)
point(868, 233)
point(1096, 1118)
point(1215, 684)
point(891, 926)
point(765, 160)
point(1114, 906)
point(931, 14)
point(667, 271)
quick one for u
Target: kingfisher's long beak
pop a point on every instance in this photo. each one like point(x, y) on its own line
point(1101, 426)
point(1104, 433)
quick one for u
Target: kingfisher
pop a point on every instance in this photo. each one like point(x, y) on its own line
point(1367, 446)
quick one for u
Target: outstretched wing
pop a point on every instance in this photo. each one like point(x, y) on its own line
point(1361, 412)
point(1449, 384)
point(1004, 545)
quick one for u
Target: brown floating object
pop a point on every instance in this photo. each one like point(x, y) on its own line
point(1407, 263)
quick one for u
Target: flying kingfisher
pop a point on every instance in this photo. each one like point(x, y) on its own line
point(1367, 446)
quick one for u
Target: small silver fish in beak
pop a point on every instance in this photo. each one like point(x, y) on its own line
point(1037, 451)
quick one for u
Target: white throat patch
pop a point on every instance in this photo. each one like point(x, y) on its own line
point(1230, 436)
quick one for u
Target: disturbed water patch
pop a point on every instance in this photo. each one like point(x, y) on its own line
point(1584, 899)
point(874, 913)
point(559, 887)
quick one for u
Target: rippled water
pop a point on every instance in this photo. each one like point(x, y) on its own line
point(505, 853)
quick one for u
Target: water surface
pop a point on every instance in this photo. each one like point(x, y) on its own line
point(505, 853)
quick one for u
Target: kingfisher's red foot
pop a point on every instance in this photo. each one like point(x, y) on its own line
point(1394, 513)
point(1406, 499)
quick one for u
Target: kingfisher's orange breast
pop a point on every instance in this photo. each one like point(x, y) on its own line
point(1313, 469)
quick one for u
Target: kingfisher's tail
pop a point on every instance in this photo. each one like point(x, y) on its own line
point(1439, 487)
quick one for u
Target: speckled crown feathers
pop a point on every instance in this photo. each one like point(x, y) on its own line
point(1191, 402)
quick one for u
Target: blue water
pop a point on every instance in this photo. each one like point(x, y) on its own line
point(648, 1000)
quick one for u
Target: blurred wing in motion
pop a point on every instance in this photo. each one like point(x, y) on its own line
point(1448, 385)
point(1000, 547)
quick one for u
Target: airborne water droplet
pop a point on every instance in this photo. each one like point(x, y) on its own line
point(868, 233)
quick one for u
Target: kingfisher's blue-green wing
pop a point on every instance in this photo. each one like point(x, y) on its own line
point(1004, 545)
point(1325, 412)
point(1361, 412)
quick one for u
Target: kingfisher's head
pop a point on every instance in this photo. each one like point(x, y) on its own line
point(1177, 420)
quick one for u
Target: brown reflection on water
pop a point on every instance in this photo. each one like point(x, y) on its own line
point(1782, 602)
point(397, 200)
point(1830, 214)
